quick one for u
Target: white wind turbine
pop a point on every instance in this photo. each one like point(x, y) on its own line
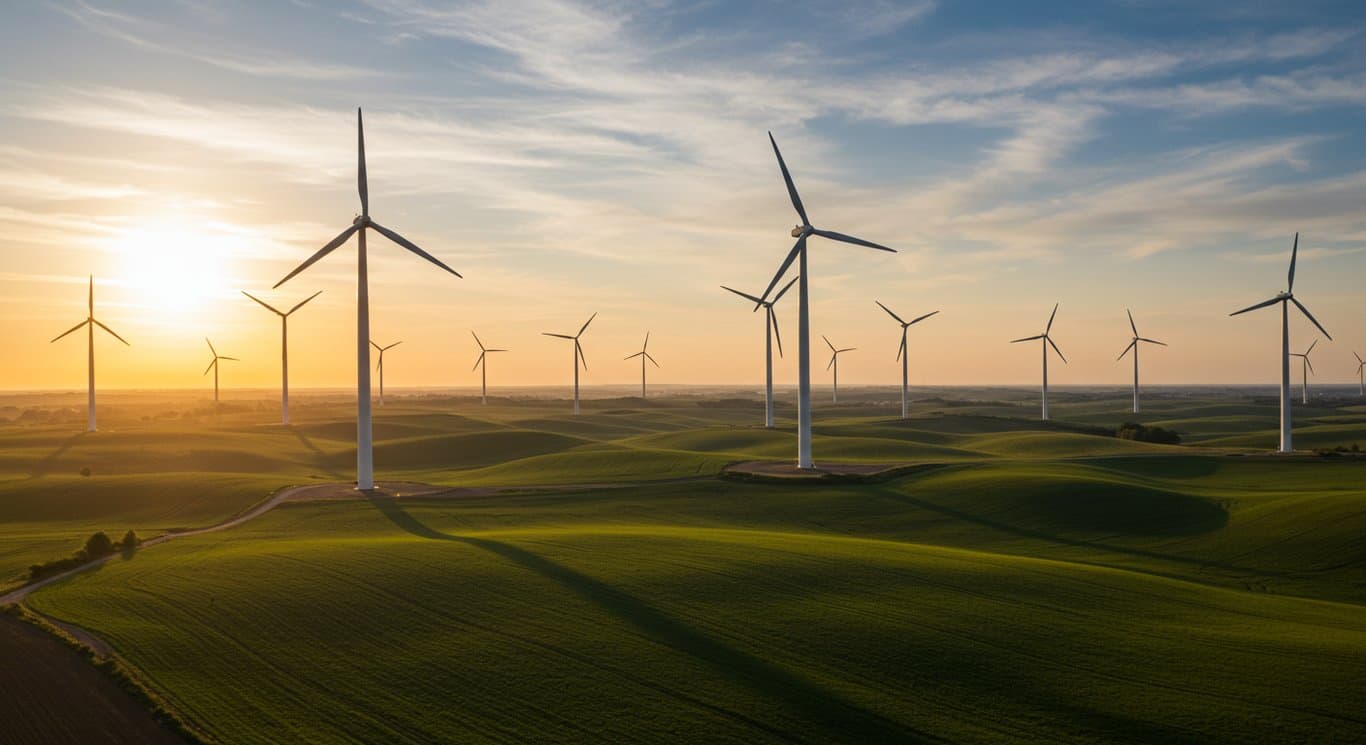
point(91, 323)
point(1306, 368)
point(483, 362)
point(1133, 345)
point(284, 348)
point(1285, 298)
point(1047, 342)
point(835, 362)
point(771, 333)
point(380, 366)
point(798, 253)
point(578, 355)
point(365, 470)
point(213, 365)
point(643, 355)
point(904, 354)
point(1361, 374)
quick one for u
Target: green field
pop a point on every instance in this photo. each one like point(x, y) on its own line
point(1021, 582)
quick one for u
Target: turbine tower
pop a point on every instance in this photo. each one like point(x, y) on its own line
point(1306, 368)
point(90, 323)
point(1047, 342)
point(771, 333)
point(380, 367)
point(1285, 298)
point(835, 362)
point(284, 348)
point(483, 362)
point(578, 356)
point(1133, 345)
point(213, 365)
point(904, 355)
point(1361, 374)
point(798, 253)
point(643, 355)
point(365, 470)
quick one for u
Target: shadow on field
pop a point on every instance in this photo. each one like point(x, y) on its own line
point(323, 458)
point(806, 699)
point(44, 466)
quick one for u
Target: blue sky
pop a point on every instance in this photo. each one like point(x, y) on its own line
point(579, 157)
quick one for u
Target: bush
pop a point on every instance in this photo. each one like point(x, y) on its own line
point(85, 471)
point(130, 540)
point(98, 545)
point(1142, 433)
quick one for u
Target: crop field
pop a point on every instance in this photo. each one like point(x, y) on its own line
point(606, 579)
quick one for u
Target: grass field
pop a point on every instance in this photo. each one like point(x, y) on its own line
point(1026, 583)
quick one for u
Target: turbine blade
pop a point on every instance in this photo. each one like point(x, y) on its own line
point(111, 331)
point(400, 240)
point(325, 250)
point(828, 344)
point(234, 359)
point(304, 302)
point(210, 367)
point(1055, 349)
point(1310, 364)
point(744, 295)
point(584, 327)
point(797, 248)
point(1294, 253)
point(376, 346)
point(495, 350)
point(362, 183)
point(1132, 344)
point(262, 303)
point(630, 356)
point(1051, 316)
point(831, 362)
point(787, 179)
point(652, 359)
point(1262, 304)
point(1131, 321)
point(211, 349)
point(1027, 338)
point(921, 318)
point(783, 291)
point(847, 349)
point(646, 345)
point(476, 362)
point(1359, 360)
point(777, 335)
point(1311, 347)
point(832, 235)
point(558, 336)
point(583, 358)
point(1152, 341)
point(391, 346)
point(476, 341)
point(73, 328)
point(901, 349)
point(1311, 318)
point(889, 312)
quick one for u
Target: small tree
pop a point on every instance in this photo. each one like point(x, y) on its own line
point(98, 545)
point(130, 541)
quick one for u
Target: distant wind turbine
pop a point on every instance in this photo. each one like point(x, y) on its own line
point(1361, 374)
point(578, 355)
point(1133, 345)
point(798, 253)
point(835, 363)
point(771, 333)
point(1306, 368)
point(903, 354)
point(213, 365)
point(483, 362)
point(1047, 342)
point(284, 348)
point(90, 323)
point(365, 464)
point(643, 355)
point(380, 367)
point(1285, 298)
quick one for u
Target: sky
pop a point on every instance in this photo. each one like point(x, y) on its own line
point(575, 158)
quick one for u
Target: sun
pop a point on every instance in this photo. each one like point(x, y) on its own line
point(175, 266)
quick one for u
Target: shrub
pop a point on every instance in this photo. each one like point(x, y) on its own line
point(85, 471)
point(98, 545)
point(1142, 433)
point(130, 540)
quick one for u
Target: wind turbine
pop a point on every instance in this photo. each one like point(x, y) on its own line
point(1285, 298)
point(213, 365)
point(770, 334)
point(90, 323)
point(1133, 344)
point(380, 366)
point(1306, 368)
point(284, 348)
point(578, 355)
point(1361, 374)
point(643, 355)
point(835, 362)
point(1047, 342)
point(484, 362)
point(365, 470)
point(801, 233)
point(903, 354)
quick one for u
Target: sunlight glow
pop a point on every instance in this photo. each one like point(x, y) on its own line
point(174, 266)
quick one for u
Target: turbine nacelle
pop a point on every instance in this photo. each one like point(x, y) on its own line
point(799, 230)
